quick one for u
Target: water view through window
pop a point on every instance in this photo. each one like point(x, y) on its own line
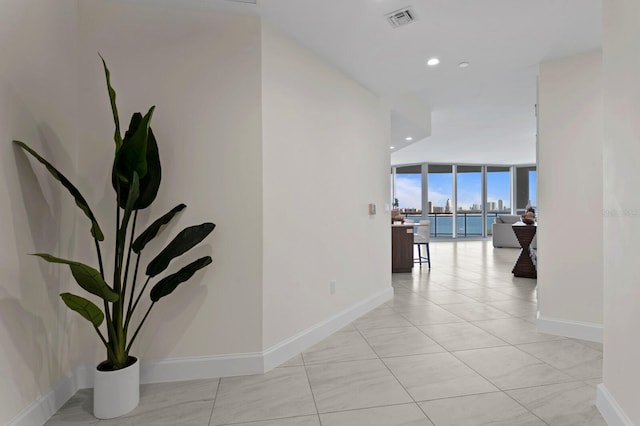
point(408, 189)
point(498, 193)
point(440, 199)
point(469, 191)
point(481, 193)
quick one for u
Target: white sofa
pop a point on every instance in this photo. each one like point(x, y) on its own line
point(503, 235)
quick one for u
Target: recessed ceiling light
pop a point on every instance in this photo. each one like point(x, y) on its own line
point(391, 147)
point(408, 138)
point(433, 62)
point(463, 64)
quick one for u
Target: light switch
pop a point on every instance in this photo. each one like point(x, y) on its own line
point(372, 208)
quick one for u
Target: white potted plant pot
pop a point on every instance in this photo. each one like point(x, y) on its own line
point(116, 392)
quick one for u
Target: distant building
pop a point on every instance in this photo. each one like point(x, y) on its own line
point(430, 206)
point(448, 208)
point(411, 211)
point(500, 205)
point(437, 209)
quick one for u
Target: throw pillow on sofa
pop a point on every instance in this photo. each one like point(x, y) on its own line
point(508, 218)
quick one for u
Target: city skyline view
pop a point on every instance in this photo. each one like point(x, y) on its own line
point(408, 190)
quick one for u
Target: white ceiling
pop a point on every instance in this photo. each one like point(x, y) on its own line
point(480, 114)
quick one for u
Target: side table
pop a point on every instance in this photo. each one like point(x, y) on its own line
point(526, 264)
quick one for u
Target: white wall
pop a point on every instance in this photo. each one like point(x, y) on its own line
point(570, 271)
point(202, 71)
point(621, 68)
point(38, 104)
point(326, 157)
point(289, 197)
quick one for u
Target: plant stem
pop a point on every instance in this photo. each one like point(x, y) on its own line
point(116, 269)
point(110, 327)
point(110, 353)
point(139, 327)
point(99, 257)
point(111, 330)
point(133, 289)
point(116, 321)
point(126, 268)
point(121, 239)
point(130, 314)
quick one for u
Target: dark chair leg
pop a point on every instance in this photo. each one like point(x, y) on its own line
point(419, 255)
point(428, 256)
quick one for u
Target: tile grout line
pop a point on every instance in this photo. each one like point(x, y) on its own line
point(509, 344)
point(525, 407)
point(313, 395)
point(499, 388)
point(250, 422)
point(468, 322)
point(492, 383)
point(396, 378)
point(215, 398)
point(562, 370)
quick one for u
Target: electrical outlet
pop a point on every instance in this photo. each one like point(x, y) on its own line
point(332, 287)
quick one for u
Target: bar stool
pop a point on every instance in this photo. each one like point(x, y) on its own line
point(421, 237)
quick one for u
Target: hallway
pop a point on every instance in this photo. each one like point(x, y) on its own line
point(456, 346)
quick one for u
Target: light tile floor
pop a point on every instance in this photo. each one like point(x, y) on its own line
point(456, 346)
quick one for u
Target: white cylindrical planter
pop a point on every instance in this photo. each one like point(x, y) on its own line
point(115, 393)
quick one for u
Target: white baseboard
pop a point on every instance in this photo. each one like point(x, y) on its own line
point(170, 370)
point(174, 370)
point(283, 351)
point(612, 413)
point(576, 329)
point(208, 367)
point(45, 406)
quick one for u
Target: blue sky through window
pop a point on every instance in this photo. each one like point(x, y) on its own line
point(469, 190)
point(440, 188)
point(499, 187)
point(409, 192)
point(533, 188)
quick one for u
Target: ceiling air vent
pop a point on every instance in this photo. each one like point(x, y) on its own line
point(244, 1)
point(401, 17)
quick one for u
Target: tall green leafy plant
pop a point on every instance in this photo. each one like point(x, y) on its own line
point(135, 177)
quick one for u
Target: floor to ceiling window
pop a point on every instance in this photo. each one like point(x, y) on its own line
point(469, 196)
point(533, 188)
point(498, 193)
point(469, 201)
point(440, 199)
point(526, 179)
point(408, 191)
